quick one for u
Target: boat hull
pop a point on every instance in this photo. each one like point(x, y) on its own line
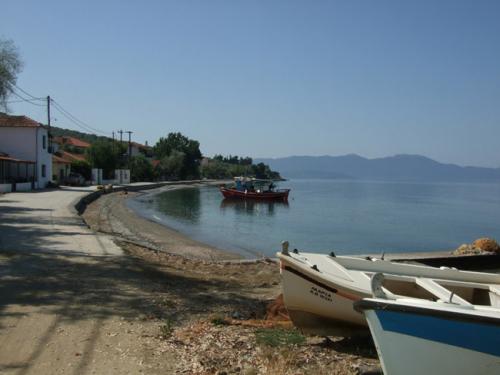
point(266, 195)
point(319, 290)
point(319, 307)
point(427, 341)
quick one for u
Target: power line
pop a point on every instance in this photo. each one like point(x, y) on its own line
point(75, 119)
point(31, 101)
point(68, 116)
point(20, 101)
point(26, 93)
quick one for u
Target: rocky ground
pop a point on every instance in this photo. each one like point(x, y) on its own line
point(215, 315)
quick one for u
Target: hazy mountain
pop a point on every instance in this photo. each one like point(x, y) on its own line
point(398, 167)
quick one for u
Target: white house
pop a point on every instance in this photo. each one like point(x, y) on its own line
point(25, 139)
point(138, 149)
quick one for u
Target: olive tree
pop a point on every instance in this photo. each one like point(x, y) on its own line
point(10, 66)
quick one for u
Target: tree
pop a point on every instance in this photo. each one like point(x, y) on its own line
point(82, 167)
point(10, 66)
point(140, 169)
point(106, 155)
point(215, 169)
point(172, 166)
point(178, 145)
point(232, 166)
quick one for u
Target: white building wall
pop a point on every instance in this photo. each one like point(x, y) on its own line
point(27, 144)
point(19, 143)
point(134, 150)
point(44, 158)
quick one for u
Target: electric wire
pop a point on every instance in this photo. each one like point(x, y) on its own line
point(68, 117)
point(20, 101)
point(31, 101)
point(75, 119)
point(25, 92)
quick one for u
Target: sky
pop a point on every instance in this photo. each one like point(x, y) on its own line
point(271, 78)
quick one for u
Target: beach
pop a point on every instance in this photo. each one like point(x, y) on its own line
point(110, 292)
point(110, 214)
point(220, 287)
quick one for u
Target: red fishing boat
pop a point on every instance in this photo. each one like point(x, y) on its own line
point(254, 189)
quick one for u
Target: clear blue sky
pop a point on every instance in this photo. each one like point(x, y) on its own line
point(272, 78)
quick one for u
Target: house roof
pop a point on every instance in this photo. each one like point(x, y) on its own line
point(8, 121)
point(72, 141)
point(138, 145)
point(72, 157)
point(60, 160)
point(7, 158)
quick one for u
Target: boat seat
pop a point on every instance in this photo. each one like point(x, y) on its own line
point(495, 289)
point(440, 291)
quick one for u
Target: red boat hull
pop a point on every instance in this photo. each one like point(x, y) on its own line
point(265, 195)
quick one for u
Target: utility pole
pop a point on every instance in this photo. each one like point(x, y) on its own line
point(48, 111)
point(129, 147)
point(120, 146)
point(49, 140)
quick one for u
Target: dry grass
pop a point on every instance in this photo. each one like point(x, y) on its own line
point(286, 361)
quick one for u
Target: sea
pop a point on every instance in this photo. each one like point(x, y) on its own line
point(344, 216)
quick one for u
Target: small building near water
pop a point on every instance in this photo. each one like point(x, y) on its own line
point(16, 174)
point(61, 168)
point(24, 144)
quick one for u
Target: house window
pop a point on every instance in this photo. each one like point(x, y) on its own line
point(44, 171)
point(44, 142)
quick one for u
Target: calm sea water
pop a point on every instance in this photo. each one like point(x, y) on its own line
point(349, 217)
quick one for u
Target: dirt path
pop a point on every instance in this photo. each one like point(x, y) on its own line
point(70, 302)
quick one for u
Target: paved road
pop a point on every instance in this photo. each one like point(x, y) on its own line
point(69, 299)
point(45, 221)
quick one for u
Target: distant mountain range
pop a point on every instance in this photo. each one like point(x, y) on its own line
point(394, 168)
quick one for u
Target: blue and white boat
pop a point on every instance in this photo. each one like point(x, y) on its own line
point(319, 289)
point(417, 336)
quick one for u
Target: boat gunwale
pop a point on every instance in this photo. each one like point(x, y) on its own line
point(308, 273)
point(233, 193)
point(466, 315)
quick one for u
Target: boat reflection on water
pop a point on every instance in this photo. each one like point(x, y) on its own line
point(253, 207)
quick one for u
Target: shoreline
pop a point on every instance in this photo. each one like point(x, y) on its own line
point(111, 214)
point(138, 229)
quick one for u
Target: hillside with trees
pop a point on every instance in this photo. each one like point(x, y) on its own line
point(89, 138)
point(174, 157)
point(220, 167)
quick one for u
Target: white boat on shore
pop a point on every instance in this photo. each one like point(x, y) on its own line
point(319, 289)
point(417, 336)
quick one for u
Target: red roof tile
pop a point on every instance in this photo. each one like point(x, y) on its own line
point(72, 157)
point(9, 121)
point(60, 160)
point(6, 158)
point(72, 141)
point(138, 145)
